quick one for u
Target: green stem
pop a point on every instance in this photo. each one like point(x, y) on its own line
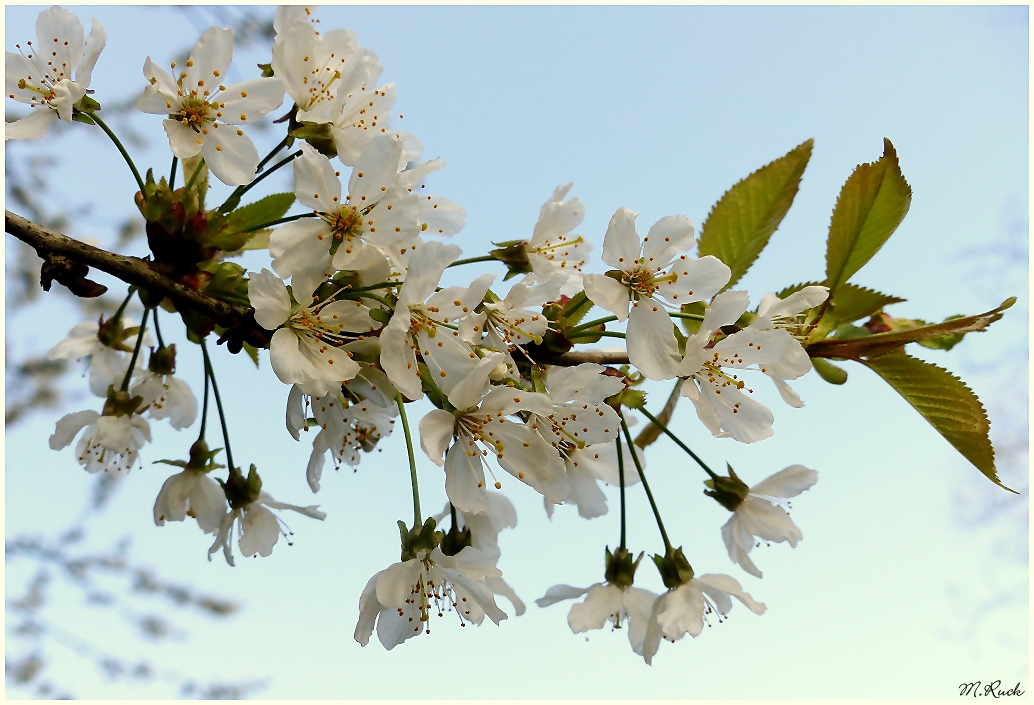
point(412, 461)
point(241, 190)
point(678, 442)
point(591, 324)
point(578, 302)
point(136, 351)
point(157, 330)
point(646, 486)
point(381, 299)
point(594, 333)
point(280, 221)
point(621, 481)
point(172, 173)
point(197, 170)
point(122, 308)
point(472, 260)
point(219, 406)
point(269, 156)
point(204, 405)
point(687, 316)
point(121, 149)
point(452, 513)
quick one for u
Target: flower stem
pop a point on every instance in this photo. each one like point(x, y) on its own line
point(136, 350)
point(646, 486)
point(593, 333)
point(157, 330)
point(621, 481)
point(172, 173)
point(381, 299)
point(218, 405)
point(679, 443)
point(591, 324)
point(687, 316)
point(204, 404)
point(280, 221)
point(412, 461)
point(121, 149)
point(269, 156)
point(472, 260)
point(197, 170)
point(235, 197)
point(122, 308)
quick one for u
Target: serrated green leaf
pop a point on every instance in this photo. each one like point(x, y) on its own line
point(851, 302)
point(946, 402)
point(262, 211)
point(741, 223)
point(253, 353)
point(871, 205)
point(828, 371)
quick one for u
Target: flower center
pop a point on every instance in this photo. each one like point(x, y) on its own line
point(644, 282)
point(193, 113)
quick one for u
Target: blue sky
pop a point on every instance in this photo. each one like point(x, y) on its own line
point(658, 109)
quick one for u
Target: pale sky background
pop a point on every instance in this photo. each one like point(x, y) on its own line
point(890, 594)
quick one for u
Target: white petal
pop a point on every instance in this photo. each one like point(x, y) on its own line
point(261, 531)
point(295, 412)
point(788, 482)
point(716, 583)
point(209, 60)
point(621, 246)
point(465, 477)
point(561, 592)
point(315, 182)
point(651, 342)
point(183, 141)
point(31, 127)
point(247, 101)
point(230, 154)
point(91, 52)
point(436, 434)
point(608, 294)
point(602, 602)
point(269, 298)
point(69, 425)
point(668, 237)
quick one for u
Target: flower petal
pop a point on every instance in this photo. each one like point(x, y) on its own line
point(788, 482)
point(650, 340)
point(608, 294)
point(31, 127)
point(230, 154)
point(270, 299)
point(621, 246)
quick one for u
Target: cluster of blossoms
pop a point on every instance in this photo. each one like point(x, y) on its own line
point(365, 328)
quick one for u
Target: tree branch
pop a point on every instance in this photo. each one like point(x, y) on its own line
point(133, 270)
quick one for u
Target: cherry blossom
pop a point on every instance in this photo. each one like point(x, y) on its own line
point(205, 116)
point(52, 76)
point(604, 603)
point(258, 528)
point(109, 443)
point(652, 276)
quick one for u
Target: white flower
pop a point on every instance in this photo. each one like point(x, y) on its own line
point(685, 609)
point(438, 216)
point(306, 350)
point(761, 515)
point(653, 276)
point(363, 115)
point(423, 322)
point(109, 443)
point(553, 247)
point(519, 449)
point(107, 364)
point(166, 397)
point(204, 115)
point(376, 219)
point(346, 427)
point(319, 69)
point(603, 603)
point(516, 320)
point(258, 528)
point(401, 598)
point(191, 493)
point(53, 75)
point(774, 312)
point(582, 428)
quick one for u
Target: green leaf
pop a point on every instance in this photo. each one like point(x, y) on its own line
point(946, 402)
point(852, 302)
point(229, 284)
point(257, 214)
point(741, 223)
point(871, 205)
point(855, 345)
point(253, 353)
point(828, 371)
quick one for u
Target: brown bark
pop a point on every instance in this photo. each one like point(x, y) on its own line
point(134, 270)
